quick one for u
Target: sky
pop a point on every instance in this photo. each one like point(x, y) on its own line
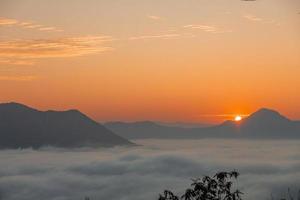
point(163, 60)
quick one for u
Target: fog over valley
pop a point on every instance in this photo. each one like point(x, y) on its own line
point(133, 173)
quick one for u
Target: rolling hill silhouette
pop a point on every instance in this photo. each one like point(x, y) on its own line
point(264, 123)
point(145, 129)
point(22, 127)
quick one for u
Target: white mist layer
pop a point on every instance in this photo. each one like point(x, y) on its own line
point(266, 167)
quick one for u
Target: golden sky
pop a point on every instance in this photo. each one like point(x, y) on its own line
point(163, 60)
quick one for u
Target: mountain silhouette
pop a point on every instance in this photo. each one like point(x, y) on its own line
point(264, 123)
point(269, 123)
point(145, 129)
point(23, 127)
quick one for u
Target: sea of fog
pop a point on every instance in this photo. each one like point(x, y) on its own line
point(141, 173)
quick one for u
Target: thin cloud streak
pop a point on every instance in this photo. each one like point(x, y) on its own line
point(206, 28)
point(7, 22)
point(17, 78)
point(253, 18)
point(164, 36)
point(27, 25)
point(223, 115)
point(202, 27)
point(154, 17)
point(53, 48)
point(16, 62)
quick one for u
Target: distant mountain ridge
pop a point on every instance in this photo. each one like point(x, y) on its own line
point(264, 123)
point(23, 127)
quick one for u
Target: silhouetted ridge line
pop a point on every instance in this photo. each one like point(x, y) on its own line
point(265, 113)
point(23, 127)
point(264, 123)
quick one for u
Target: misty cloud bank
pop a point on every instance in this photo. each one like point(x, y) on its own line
point(267, 167)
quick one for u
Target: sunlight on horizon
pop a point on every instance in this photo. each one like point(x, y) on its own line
point(238, 118)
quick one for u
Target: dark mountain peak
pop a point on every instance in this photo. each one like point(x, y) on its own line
point(15, 105)
point(12, 104)
point(22, 127)
point(70, 112)
point(227, 123)
point(266, 111)
point(266, 114)
point(73, 111)
point(264, 123)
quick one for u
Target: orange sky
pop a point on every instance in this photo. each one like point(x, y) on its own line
point(171, 60)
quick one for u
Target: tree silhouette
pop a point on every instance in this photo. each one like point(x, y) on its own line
point(218, 187)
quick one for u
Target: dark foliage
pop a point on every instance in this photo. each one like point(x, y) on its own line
point(218, 187)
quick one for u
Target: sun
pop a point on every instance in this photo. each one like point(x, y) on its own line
point(237, 118)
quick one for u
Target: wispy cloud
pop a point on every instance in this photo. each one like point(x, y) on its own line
point(206, 28)
point(28, 25)
point(154, 17)
point(17, 78)
point(202, 27)
point(253, 18)
point(163, 36)
point(7, 22)
point(178, 33)
point(47, 29)
point(223, 115)
point(14, 61)
point(24, 50)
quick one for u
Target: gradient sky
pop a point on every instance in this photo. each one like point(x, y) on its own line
point(164, 60)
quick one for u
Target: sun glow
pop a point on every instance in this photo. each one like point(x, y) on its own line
point(237, 118)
